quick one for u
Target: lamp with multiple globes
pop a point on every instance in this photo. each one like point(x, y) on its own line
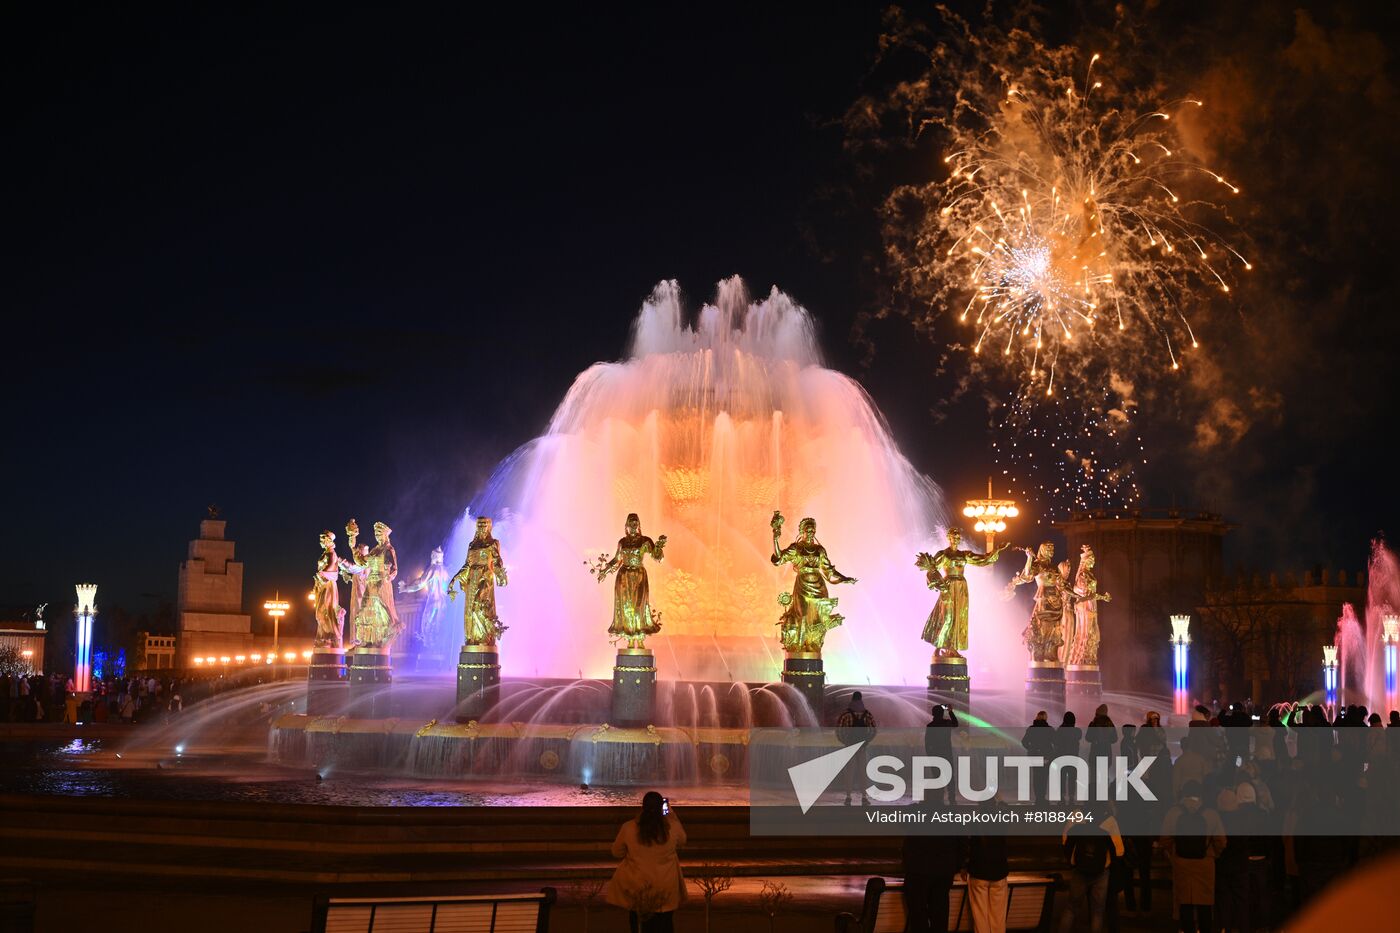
point(277, 608)
point(990, 515)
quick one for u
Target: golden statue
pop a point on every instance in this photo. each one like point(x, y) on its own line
point(330, 618)
point(1083, 648)
point(946, 629)
point(633, 617)
point(1067, 618)
point(1043, 634)
point(809, 613)
point(478, 578)
point(376, 620)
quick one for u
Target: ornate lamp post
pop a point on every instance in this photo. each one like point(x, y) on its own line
point(990, 514)
point(1181, 643)
point(86, 609)
point(1329, 673)
point(277, 608)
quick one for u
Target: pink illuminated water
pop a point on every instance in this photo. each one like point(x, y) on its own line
point(1361, 671)
point(704, 430)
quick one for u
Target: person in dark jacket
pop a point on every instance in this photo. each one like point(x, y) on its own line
point(1067, 738)
point(1101, 736)
point(930, 863)
point(987, 871)
point(938, 743)
point(1039, 741)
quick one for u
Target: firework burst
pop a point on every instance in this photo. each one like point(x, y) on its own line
point(1073, 234)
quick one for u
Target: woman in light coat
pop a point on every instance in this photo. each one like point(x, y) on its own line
point(648, 883)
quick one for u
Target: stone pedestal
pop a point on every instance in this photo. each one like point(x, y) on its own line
point(949, 682)
point(803, 670)
point(1045, 687)
point(478, 681)
point(370, 676)
point(327, 689)
point(634, 688)
point(1083, 680)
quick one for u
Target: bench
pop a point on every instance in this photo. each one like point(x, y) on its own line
point(472, 913)
point(1029, 905)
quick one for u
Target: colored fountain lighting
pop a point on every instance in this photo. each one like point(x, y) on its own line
point(991, 515)
point(85, 611)
point(1390, 638)
point(1329, 673)
point(1181, 657)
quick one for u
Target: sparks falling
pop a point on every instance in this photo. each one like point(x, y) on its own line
point(1069, 230)
point(1066, 220)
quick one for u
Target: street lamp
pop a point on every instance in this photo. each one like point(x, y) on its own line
point(276, 608)
point(991, 515)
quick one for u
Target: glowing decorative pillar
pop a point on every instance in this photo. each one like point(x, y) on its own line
point(1390, 637)
point(1329, 673)
point(86, 609)
point(1181, 655)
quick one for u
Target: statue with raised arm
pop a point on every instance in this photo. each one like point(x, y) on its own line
point(633, 618)
point(1043, 635)
point(1083, 648)
point(330, 618)
point(376, 620)
point(478, 579)
point(808, 611)
point(946, 628)
point(432, 583)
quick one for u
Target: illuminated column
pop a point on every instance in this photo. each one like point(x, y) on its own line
point(1181, 655)
point(86, 609)
point(1390, 636)
point(1329, 673)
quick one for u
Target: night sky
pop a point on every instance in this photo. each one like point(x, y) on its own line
point(309, 267)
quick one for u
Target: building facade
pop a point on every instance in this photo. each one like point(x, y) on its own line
point(26, 639)
point(1154, 563)
point(209, 603)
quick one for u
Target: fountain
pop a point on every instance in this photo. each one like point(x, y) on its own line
point(1361, 637)
point(709, 431)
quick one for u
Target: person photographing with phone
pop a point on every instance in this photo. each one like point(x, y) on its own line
point(648, 884)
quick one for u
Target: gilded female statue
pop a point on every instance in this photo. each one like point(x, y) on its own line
point(1043, 634)
point(376, 620)
point(633, 617)
point(946, 628)
point(809, 613)
point(483, 571)
point(330, 618)
point(1084, 648)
